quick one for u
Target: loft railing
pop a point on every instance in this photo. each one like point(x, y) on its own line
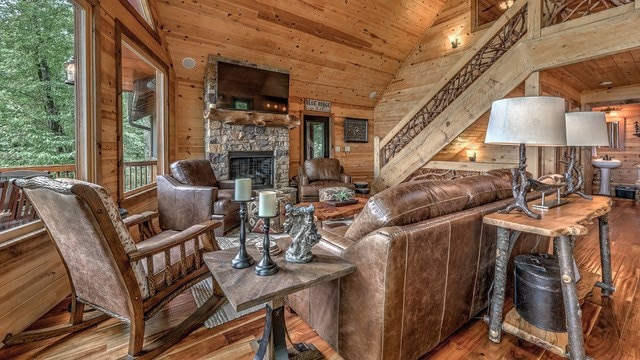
point(503, 39)
point(558, 11)
point(553, 12)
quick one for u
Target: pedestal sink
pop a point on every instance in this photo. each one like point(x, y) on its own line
point(605, 166)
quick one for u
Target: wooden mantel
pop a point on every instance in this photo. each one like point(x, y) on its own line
point(240, 117)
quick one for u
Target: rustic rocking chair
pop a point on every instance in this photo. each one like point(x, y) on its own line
point(109, 271)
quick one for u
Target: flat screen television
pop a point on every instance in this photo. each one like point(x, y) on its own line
point(252, 89)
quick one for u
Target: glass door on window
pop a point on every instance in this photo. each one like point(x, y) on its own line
point(316, 137)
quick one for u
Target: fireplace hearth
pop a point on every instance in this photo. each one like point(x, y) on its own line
point(255, 165)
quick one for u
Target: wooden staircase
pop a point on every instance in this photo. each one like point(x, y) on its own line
point(515, 47)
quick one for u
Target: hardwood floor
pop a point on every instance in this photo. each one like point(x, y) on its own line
point(612, 326)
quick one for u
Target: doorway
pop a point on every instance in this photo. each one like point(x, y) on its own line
point(316, 137)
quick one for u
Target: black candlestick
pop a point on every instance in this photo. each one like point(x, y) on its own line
point(242, 259)
point(266, 266)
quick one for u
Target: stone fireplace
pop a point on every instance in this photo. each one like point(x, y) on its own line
point(255, 165)
point(243, 144)
point(238, 151)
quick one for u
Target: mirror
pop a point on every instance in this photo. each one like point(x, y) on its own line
point(616, 132)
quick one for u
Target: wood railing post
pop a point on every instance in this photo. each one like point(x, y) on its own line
point(376, 156)
point(534, 18)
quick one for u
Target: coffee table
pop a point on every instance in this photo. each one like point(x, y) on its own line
point(326, 211)
point(244, 289)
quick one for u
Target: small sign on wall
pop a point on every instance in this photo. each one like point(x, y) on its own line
point(317, 105)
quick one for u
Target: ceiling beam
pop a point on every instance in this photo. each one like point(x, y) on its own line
point(630, 93)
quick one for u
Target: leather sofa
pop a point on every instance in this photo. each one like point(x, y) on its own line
point(191, 194)
point(424, 265)
point(316, 174)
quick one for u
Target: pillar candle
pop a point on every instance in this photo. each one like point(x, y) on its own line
point(267, 201)
point(243, 190)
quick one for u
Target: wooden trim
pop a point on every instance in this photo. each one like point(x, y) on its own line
point(142, 21)
point(25, 232)
point(616, 94)
point(123, 33)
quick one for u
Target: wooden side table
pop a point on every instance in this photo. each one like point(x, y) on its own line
point(562, 223)
point(244, 289)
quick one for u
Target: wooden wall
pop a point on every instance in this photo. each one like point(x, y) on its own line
point(32, 281)
point(426, 64)
point(627, 174)
point(358, 162)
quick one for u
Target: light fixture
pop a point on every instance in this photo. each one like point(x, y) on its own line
point(454, 39)
point(70, 71)
point(472, 155)
point(505, 4)
point(587, 128)
point(532, 120)
point(188, 63)
point(611, 112)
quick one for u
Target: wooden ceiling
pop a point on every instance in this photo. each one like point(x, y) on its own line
point(340, 51)
point(622, 69)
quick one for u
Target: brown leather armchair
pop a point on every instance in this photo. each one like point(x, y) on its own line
point(191, 194)
point(316, 174)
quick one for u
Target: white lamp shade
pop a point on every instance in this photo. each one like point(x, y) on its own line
point(531, 120)
point(587, 128)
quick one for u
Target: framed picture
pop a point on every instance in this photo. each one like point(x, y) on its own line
point(356, 130)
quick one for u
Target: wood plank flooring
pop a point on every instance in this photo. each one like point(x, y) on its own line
point(612, 326)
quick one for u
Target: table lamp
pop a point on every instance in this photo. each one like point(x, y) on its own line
point(588, 128)
point(529, 120)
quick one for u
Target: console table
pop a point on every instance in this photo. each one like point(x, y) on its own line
point(244, 289)
point(562, 223)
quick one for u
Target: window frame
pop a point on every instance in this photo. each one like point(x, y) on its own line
point(125, 34)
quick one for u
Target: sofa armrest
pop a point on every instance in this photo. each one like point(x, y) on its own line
point(303, 178)
point(345, 178)
point(181, 206)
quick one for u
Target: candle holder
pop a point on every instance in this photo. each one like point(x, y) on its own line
point(242, 259)
point(266, 266)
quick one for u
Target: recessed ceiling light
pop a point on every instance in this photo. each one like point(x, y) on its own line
point(188, 63)
point(605, 83)
point(373, 95)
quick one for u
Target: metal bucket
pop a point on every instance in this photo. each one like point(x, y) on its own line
point(538, 291)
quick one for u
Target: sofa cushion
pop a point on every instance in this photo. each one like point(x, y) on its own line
point(408, 203)
point(194, 172)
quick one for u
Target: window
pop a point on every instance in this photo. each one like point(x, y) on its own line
point(142, 122)
point(45, 83)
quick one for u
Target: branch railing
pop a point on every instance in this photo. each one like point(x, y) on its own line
point(554, 12)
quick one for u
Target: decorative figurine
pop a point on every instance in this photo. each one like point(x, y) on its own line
point(303, 231)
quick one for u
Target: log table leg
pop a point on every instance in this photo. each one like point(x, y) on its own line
point(505, 241)
point(605, 257)
point(570, 297)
